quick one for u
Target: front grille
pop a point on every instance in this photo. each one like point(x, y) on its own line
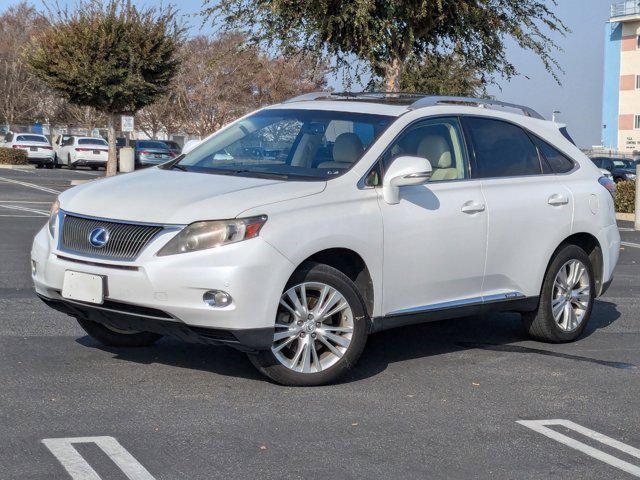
point(125, 240)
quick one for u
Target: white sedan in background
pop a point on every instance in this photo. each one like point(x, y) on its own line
point(83, 151)
point(37, 147)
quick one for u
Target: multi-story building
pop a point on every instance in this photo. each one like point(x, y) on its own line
point(621, 99)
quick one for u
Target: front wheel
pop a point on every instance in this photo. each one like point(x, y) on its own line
point(320, 330)
point(566, 298)
point(115, 337)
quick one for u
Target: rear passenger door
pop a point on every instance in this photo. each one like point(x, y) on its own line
point(529, 208)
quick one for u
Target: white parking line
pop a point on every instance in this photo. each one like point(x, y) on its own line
point(30, 185)
point(79, 469)
point(26, 209)
point(541, 426)
point(630, 244)
point(625, 229)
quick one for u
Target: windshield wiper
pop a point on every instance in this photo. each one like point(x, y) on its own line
point(177, 166)
point(260, 174)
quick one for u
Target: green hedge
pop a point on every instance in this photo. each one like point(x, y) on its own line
point(12, 156)
point(626, 197)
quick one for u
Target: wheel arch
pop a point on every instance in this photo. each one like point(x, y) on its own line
point(590, 244)
point(352, 265)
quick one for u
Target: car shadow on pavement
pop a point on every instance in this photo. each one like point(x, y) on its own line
point(495, 331)
point(498, 332)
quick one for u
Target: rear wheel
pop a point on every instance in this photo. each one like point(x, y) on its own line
point(115, 337)
point(566, 298)
point(321, 329)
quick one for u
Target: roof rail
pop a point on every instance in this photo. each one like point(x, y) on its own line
point(432, 101)
point(308, 97)
point(414, 100)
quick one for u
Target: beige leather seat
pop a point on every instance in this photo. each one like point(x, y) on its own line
point(347, 150)
point(436, 149)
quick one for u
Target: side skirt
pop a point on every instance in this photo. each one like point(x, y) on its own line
point(416, 316)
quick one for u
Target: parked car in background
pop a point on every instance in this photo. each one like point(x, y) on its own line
point(173, 146)
point(84, 151)
point(151, 152)
point(57, 146)
point(37, 147)
point(366, 214)
point(620, 168)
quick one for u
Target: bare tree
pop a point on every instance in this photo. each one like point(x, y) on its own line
point(22, 97)
point(223, 78)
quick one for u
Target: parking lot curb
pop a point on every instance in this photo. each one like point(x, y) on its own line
point(629, 217)
point(79, 182)
point(18, 167)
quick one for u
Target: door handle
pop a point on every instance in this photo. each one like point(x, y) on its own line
point(556, 200)
point(472, 207)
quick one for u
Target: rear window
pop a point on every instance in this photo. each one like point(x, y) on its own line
point(149, 144)
point(565, 134)
point(92, 141)
point(31, 138)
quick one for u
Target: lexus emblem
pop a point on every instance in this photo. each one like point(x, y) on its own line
point(99, 237)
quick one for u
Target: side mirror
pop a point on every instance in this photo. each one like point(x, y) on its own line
point(404, 171)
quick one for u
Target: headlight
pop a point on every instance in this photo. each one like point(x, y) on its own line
point(53, 216)
point(203, 235)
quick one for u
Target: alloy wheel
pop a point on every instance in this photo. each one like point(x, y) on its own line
point(570, 295)
point(314, 327)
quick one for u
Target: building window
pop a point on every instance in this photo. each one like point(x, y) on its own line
point(636, 122)
point(638, 42)
point(637, 82)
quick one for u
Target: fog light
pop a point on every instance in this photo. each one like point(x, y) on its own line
point(217, 298)
point(33, 267)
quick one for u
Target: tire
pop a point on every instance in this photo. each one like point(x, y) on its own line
point(38, 165)
point(72, 166)
point(541, 324)
point(56, 162)
point(50, 166)
point(113, 338)
point(325, 366)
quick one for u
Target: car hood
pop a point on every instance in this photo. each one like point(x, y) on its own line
point(174, 197)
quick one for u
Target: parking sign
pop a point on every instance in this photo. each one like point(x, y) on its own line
point(127, 124)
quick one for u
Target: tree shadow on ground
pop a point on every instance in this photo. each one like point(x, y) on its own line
point(497, 332)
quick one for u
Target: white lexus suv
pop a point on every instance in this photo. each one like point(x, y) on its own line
point(299, 229)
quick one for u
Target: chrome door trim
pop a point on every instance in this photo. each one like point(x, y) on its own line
point(465, 302)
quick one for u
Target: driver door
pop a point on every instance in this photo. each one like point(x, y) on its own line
point(435, 238)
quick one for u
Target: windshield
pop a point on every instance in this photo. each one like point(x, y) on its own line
point(301, 144)
point(31, 138)
point(623, 164)
point(92, 141)
point(149, 144)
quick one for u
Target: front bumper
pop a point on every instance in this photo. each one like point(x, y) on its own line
point(252, 272)
point(125, 317)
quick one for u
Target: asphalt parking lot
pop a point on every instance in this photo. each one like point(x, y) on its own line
point(441, 400)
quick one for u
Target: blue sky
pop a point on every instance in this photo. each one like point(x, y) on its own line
point(579, 96)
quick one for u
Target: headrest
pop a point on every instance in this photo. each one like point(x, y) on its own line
point(435, 149)
point(347, 148)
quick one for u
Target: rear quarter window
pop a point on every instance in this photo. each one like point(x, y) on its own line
point(558, 162)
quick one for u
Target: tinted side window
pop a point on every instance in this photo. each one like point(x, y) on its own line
point(558, 162)
point(502, 149)
point(597, 162)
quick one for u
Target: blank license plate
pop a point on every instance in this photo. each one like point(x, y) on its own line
point(83, 287)
point(96, 152)
point(34, 149)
